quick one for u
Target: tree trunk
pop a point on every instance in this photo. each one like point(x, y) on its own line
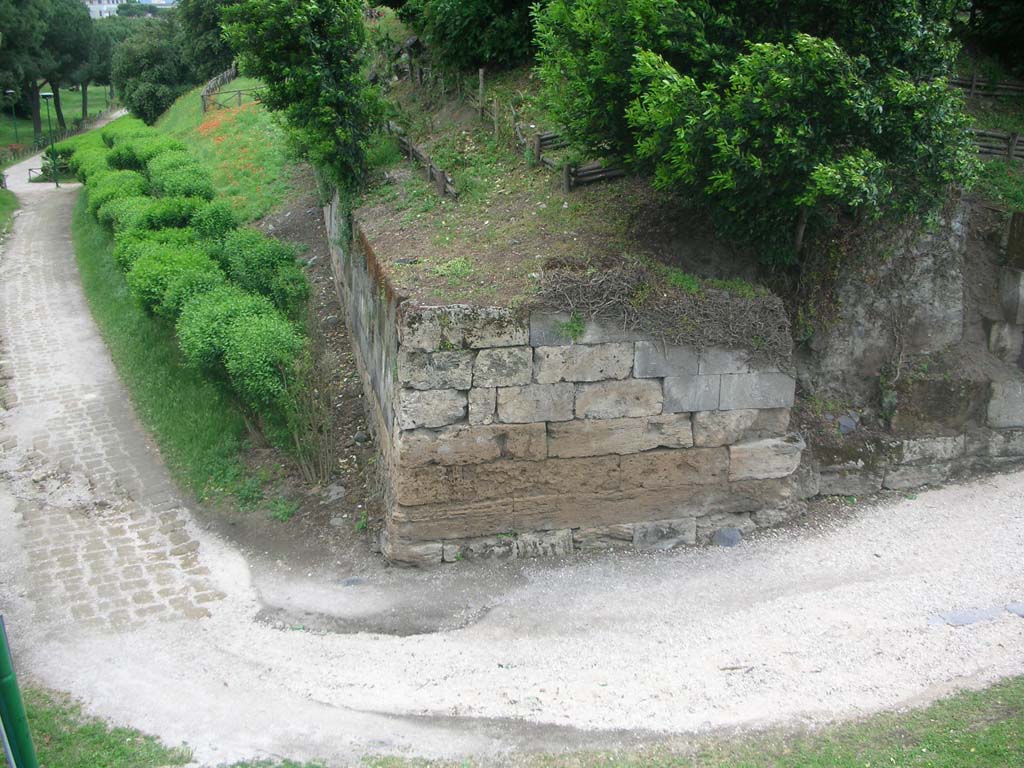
point(32, 97)
point(56, 106)
point(801, 226)
point(85, 101)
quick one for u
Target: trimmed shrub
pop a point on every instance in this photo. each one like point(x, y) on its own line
point(125, 213)
point(260, 356)
point(89, 161)
point(252, 260)
point(112, 185)
point(164, 277)
point(215, 220)
point(130, 245)
point(176, 174)
point(471, 33)
point(133, 153)
point(289, 289)
point(122, 129)
point(205, 320)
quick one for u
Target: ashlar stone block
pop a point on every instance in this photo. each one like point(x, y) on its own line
point(552, 329)
point(503, 367)
point(581, 362)
point(536, 402)
point(929, 449)
point(465, 444)
point(675, 468)
point(482, 404)
point(459, 326)
point(598, 437)
point(1006, 406)
point(757, 390)
point(544, 544)
point(765, 459)
point(436, 370)
point(618, 399)
point(657, 360)
point(430, 408)
point(692, 393)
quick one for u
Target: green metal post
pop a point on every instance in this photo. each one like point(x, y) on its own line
point(12, 709)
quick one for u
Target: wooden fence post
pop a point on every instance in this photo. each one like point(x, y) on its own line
point(567, 178)
point(537, 150)
point(1012, 146)
point(1015, 242)
point(480, 94)
point(974, 84)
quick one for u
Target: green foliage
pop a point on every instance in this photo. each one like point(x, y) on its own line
point(471, 33)
point(204, 322)
point(998, 26)
point(282, 510)
point(164, 277)
point(112, 185)
point(123, 128)
point(176, 174)
point(128, 213)
point(684, 281)
point(289, 289)
point(202, 42)
point(149, 69)
point(260, 355)
point(131, 244)
point(87, 161)
point(215, 220)
point(134, 153)
point(253, 260)
point(779, 117)
point(309, 55)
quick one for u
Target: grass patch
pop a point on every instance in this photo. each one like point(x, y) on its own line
point(8, 205)
point(1001, 182)
point(244, 147)
point(197, 424)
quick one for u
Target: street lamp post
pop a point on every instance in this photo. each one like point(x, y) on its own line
point(49, 126)
point(14, 121)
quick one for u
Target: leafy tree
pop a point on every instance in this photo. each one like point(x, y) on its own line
point(69, 40)
point(308, 53)
point(149, 70)
point(24, 57)
point(203, 39)
point(779, 116)
point(134, 9)
point(471, 33)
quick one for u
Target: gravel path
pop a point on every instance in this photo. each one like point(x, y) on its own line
point(115, 594)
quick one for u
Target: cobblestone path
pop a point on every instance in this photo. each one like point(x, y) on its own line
point(103, 529)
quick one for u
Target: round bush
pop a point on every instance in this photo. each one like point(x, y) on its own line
point(130, 245)
point(133, 153)
point(126, 213)
point(253, 259)
point(164, 277)
point(111, 185)
point(173, 211)
point(290, 289)
point(471, 33)
point(260, 355)
point(88, 161)
point(123, 128)
point(205, 319)
point(215, 220)
point(181, 179)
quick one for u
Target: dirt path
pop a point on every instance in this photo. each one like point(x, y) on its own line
point(115, 594)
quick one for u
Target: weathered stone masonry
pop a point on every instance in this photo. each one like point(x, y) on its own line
point(502, 436)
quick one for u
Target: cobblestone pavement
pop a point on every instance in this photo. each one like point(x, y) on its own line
point(104, 530)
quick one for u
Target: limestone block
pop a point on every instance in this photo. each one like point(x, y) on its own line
point(1011, 292)
point(430, 407)
point(854, 479)
point(451, 520)
point(692, 393)
point(715, 428)
point(718, 360)
point(665, 534)
point(503, 367)
point(482, 404)
point(603, 538)
point(709, 524)
point(411, 553)
point(931, 449)
point(466, 444)
point(502, 547)
point(675, 468)
point(1006, 341)
point(459, 326)
point(435, 370)
point(548, 329)
point(656, 360)
point(1006, 406)
point(765, 459)
point(505, 478)
point(906, 477)
point(618, 399)
point(579, 362)
point(756, 390)
point(544, 543)
point(536, 402)
point(1007, 442)
point(598, 437)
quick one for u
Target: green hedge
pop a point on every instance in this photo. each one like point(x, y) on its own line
point(232, 295)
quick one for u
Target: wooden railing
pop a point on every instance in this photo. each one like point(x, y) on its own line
point(216, 84)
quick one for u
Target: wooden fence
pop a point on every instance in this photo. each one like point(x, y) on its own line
point(975, 86)
point(438, 177)
point(215, 85)
point(1001, 144)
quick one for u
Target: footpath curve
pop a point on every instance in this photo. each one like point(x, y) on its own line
point(115, 594)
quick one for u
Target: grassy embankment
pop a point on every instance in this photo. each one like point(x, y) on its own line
point(198, 425)
point(970, 730)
